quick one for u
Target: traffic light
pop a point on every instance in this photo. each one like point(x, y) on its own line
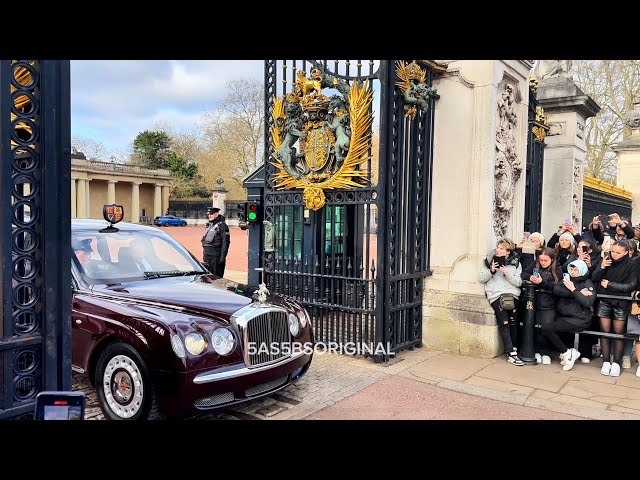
point(253, 212)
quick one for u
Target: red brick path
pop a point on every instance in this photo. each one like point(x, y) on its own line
point(190, 237)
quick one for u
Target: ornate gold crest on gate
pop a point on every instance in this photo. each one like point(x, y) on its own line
point(321, 142)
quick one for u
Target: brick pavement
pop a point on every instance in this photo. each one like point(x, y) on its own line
point(330, 379)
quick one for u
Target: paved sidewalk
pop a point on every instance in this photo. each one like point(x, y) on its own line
point(582, 391)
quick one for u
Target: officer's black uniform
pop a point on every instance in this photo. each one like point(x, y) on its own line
point(215, 244)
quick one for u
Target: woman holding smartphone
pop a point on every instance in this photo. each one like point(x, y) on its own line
point(615, 275)
point(545, 273)
point(575, 297)
point(589, 252)
point(501, 277)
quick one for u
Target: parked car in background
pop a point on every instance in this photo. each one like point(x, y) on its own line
point(158, 335)
point(166, 220)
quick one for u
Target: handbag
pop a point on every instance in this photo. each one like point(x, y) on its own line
point(507, 301)
point(635, 308)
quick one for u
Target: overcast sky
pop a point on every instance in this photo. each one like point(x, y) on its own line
point(112, 101)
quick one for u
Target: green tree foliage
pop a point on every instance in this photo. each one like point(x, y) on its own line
point(151, 149)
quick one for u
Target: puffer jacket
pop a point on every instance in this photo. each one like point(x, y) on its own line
point(495, 284)
point(574, 307)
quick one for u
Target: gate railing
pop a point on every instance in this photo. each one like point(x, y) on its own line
point(341, 299)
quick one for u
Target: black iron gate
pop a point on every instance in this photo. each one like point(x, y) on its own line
point(354, 252)
point(535, 164)
point(35, 176)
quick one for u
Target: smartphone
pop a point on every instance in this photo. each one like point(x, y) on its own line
point(568, 221)
point(536, 272)
point(585, 249)
point(499, 261)
point(566, 276)
point(60, 406)
point(607, 255)
point(527, 234)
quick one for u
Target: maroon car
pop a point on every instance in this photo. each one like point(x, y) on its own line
point(158, 335)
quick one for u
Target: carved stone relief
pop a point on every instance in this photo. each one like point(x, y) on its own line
point(576, 210)
point(507, 166)
point(552, 68)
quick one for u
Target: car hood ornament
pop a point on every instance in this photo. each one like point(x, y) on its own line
point(262, 293)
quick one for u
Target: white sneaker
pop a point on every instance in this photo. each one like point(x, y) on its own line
point(585, 360)
point(615, 370)
point(538, 358)
point(570, 358)
point(562, 358)
point(626, 362)
point(546, 360)
point(606, 368)
point(638, 371)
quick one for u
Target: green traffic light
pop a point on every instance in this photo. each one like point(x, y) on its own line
point(252, 216)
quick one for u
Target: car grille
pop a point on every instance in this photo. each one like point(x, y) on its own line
point(261, 332)
point(213, 400)
point(265, 387)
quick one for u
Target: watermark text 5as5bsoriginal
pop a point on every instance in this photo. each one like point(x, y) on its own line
point(308, 348)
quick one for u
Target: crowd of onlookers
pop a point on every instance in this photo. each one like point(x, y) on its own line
point(578, 275)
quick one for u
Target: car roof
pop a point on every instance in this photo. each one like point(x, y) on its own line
point(96, 224)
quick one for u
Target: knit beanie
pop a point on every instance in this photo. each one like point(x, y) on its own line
point(569, 237)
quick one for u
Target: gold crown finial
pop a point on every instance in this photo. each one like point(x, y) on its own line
point(414, 72)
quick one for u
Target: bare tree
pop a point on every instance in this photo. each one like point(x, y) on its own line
point(234, 131)
point(612, 84)
point(92, 149)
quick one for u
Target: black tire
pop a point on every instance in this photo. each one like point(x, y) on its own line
point(129, 361)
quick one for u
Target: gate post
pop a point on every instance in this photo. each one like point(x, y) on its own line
point(35, 194)
point(386, 103)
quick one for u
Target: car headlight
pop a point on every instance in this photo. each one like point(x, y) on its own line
point(303, 317)
point(178, 347)
point(223, 341)
point(195, 343)
point(294, 326)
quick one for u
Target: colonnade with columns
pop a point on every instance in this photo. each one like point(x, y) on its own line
point(138, 196)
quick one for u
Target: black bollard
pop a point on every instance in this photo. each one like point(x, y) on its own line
point(527, 347)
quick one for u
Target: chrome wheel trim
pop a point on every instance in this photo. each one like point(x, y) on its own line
point(125, 372)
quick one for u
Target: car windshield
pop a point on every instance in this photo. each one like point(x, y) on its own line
point(129, 255)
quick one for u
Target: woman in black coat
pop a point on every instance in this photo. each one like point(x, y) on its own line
point(548, 274)
point(589, 252)
point(576, 296)
point(616, 275)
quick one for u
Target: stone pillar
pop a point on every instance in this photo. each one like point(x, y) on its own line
point(165, 198)
point(478, 192)
point(629, 160)
point(88, 198)
point(111, 191)
point(73, 198)
point(219, 195)
point(567, 109)
point(157, 201)
point(135, 202)
point(81, 210)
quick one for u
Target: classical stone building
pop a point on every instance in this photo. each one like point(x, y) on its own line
point(143, 193)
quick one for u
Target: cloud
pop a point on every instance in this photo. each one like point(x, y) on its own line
point(112, 101)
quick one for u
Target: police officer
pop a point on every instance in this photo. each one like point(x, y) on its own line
point(215, 242)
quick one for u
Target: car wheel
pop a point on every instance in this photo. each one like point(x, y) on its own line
point(123, 385)
point(184, 224)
